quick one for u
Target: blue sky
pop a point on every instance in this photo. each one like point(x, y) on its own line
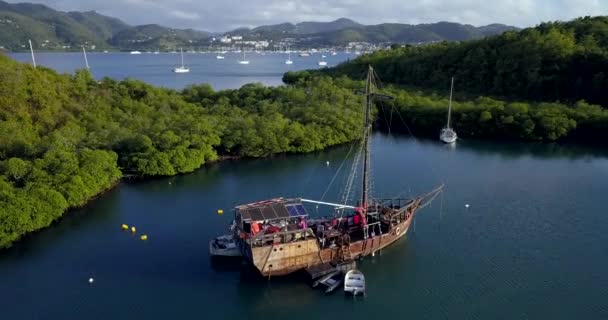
point(223, 15)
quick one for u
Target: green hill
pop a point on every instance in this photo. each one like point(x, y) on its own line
point(342, 31)
point(50, 29)
point(102, 25)
point(557, 61)
point(15, 37)
point(154, 37)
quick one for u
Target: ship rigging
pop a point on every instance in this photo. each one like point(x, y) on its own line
point(278, 237)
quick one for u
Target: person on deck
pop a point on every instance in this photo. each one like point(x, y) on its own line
point(302, 223)
point(255, 228)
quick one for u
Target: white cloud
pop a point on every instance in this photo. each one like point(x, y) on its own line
point(221, 15)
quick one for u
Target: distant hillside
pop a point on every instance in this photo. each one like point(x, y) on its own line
point(153, 37)
point(44, 25)
point(342, 31)
point(557, 61)
point(50, 29)
point(319, 27)
point(102, 25)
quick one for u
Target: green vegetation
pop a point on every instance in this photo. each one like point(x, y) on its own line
point(22, 21)
point(424, 113)
point(66, 138)
point(561, 61)
point(56, 30)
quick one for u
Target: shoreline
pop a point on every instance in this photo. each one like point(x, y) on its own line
point(132, 178)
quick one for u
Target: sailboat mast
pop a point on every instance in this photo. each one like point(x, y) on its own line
point(450, 103)
point(32, 51)
point(366, 131)
point(182, 52)
point(86, 62)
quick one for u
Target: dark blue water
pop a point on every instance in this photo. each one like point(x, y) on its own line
point(204, 67)
point(532, 245)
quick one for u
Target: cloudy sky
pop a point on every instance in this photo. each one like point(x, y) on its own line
point(223, 15)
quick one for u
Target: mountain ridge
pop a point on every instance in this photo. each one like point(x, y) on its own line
point(51, 29)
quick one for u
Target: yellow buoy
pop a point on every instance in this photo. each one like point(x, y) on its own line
point(144, 237)
point(125, 227)
point(220, 211)
point(133, 229)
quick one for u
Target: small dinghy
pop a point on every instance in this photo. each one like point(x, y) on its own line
point(330, 281)
point(354, 283)
point(224, 246)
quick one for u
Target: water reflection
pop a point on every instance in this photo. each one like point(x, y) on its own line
point(511, 149)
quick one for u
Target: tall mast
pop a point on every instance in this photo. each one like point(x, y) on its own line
point(86, 62)
point(32, 51)
point(450, 104)
point(182, 52)
point(366, 131)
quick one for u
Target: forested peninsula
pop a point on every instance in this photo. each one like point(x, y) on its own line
point(66, 138)
point(544, 83)
point(555, 61)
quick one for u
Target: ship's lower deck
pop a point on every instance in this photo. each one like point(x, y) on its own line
point(310, 249)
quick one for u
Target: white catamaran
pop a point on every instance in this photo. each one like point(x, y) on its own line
point(447, 134)
point(182, 68)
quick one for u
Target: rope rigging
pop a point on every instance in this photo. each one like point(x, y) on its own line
point(363, 157)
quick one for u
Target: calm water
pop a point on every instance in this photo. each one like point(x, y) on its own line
point(204, 67)
point(532, 245)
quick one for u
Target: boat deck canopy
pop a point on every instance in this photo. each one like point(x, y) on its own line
point(272, 210)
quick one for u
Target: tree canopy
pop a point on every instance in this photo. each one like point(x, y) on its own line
point(555, 61)
point(66, 138)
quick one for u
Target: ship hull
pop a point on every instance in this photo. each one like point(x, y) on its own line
point(283, 259)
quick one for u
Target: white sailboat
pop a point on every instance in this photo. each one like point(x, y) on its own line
point(135, 52)
point(219, 57)
point(86, 61)
point(447, 134)
point(289, 61)
point(32, 51)
point(182, 68)
point(322, 63)
point(244, 61)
